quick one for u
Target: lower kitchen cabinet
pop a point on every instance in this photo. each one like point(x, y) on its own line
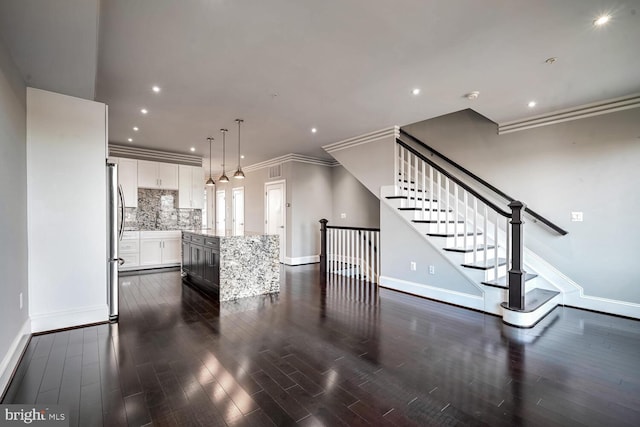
point(159, 248)
point(201, 260)
point(129, 250)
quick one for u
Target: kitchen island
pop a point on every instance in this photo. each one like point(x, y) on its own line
point(231, 267)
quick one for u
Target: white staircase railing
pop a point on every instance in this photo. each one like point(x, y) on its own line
point(350, 251)
point(469, 222)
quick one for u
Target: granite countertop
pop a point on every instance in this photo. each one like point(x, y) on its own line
point(213, 233)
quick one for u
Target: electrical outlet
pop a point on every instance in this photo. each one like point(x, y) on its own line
point(413, 266)
point(432, 269)
point(576, 216)
point(343, 215)
point(21, 301)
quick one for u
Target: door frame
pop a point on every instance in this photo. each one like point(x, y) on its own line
point(218, 208)
point(233, 208)
point(284, 214)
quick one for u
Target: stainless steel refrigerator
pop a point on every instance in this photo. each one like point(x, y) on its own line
point(115, 228)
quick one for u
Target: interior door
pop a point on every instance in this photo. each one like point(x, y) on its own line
point(238, 211)
point(275, 213)
point(221, 209)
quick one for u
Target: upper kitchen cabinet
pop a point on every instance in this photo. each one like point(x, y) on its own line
point(157, 175)
point(128, 179)
point(191, 187)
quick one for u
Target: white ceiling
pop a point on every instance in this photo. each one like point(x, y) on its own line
point(344, 66)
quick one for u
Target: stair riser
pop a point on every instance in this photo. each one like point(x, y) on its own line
point(449, 242)
point(480, 255)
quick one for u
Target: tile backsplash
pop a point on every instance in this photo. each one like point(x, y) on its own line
point(157, 211)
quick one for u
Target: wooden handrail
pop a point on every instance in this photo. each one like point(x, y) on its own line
point(337, 227)
point(534, 214)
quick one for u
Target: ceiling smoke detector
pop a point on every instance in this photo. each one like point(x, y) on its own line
point(472, 95)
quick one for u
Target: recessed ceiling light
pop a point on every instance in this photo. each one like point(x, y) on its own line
point(416, 91)
point(531, 104)
point(156, 89)
point(144, 110)
point(136, 128)
point(601, 20)
point(242, 157)
point(130, 139)
point(193, 149)
point(314, 130)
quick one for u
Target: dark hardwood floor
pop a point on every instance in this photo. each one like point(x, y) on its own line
point(335, 355)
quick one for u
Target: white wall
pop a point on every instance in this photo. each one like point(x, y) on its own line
point(66, 152)
point(589, 165)
point(350, 197)
point(14, 322)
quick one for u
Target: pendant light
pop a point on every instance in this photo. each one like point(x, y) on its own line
point(223, 177)
point(239, 174)
point(210, 181)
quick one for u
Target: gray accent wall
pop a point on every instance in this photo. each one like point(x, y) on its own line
point(13, 209)
point(371, 163)
point(401, 244)
point(590, 165)
point(350, 197)
point(311, 200)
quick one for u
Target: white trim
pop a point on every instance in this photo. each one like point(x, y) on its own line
point(69, 318)
point(527, 320)
point(291, 157)
point(605, 305)
point(453, 297)
point(153, 155)
point(12, 358)
point(312, 259)
point(393, 131)
point(569, 114)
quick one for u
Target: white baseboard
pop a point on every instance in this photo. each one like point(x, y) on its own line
point(69, 318)
point(312, 259)
point(452, 297)
point(605, 305)
point(12, 358)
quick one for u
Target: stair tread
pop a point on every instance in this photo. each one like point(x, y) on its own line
point(426, 210)
point(502, 281)
point(435, 221)
point(485, 264)
point(479, 233)
point(467, 250)
point(407, 198)
point(534, 299)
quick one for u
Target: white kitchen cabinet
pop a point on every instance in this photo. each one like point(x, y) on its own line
point(129, 250)
point(128, 179)
point(157, 175)
point(150, 252)
point(160, 248)
point(191, 187)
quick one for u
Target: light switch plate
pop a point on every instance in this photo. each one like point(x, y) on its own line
point(343, 215)
point(413, 266)
point(576, 216)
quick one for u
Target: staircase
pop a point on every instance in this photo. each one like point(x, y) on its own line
point(481, 235)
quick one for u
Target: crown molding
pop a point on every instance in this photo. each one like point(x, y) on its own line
point(390, 132)
point(291, 157)
point(153, 155)
point(569, 114)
